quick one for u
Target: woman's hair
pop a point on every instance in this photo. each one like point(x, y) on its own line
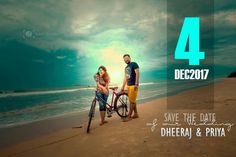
point(106, 77)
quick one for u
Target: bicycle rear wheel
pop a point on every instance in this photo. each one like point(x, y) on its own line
point(122, 104)
point(91, 114)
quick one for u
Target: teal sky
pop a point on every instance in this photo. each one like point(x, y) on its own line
point(56, 43)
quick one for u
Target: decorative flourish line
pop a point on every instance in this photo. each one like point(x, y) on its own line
point(153, 124)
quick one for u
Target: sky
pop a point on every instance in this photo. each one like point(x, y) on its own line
point(57, 43)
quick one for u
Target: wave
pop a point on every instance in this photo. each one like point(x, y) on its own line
point(45, 92)
point(26, 110)
point(59, 91)
point(148, 83)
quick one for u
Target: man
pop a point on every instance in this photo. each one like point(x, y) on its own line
point(132, 80)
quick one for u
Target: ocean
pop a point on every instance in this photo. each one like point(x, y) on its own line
point(18, 108)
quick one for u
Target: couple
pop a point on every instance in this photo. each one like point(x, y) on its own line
point(131, 79)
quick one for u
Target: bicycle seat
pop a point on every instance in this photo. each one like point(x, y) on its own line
point(113, 88)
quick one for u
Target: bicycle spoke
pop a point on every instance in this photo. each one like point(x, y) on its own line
point(123, 111)
point(126, 105)
point(122, 102)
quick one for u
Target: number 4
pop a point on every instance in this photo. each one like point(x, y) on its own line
point(190, 31)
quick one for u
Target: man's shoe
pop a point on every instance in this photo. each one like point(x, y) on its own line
point(135, 116)
point(126, 119)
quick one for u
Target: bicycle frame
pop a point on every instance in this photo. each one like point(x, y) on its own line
point(111, 105)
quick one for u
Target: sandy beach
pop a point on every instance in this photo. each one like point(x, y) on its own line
point(133, 138)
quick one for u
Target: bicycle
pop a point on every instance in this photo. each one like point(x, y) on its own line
point(119, 104)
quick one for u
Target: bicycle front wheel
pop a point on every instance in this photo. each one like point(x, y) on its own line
point(91, 114)
point(122, 104)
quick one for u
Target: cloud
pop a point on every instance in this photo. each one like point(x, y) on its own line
point(102, 31)
point(89, 27)
point(60, 57)
point(225, 18)
point(225, 36)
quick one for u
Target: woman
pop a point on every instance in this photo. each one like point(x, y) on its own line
point(102, 80)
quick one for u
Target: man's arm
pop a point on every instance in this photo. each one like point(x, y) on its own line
point(124, 83)
point(137, 77)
